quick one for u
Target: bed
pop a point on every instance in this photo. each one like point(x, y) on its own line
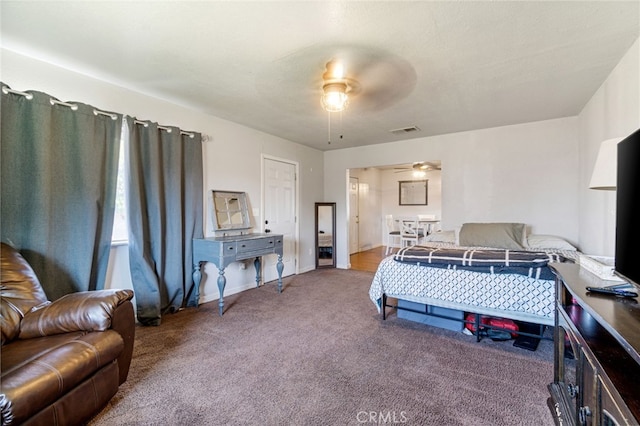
point(466, 283)
point(325, 240)
point(325, 248)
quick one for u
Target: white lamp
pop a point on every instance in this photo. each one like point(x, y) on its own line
point(604, 171)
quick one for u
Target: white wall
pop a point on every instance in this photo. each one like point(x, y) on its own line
point(613, 111)
point(231, 159)
point(521, 173)
point(325, 219)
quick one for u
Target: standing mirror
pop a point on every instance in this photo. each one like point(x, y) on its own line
point(325, 235)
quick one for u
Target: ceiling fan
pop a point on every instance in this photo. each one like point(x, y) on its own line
point(373, 79)
point(421, 166)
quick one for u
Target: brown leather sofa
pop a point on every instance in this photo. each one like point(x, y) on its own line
point(63, 360)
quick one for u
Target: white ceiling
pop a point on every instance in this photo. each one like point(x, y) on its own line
point(444, 66)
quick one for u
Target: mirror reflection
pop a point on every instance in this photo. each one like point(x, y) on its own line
point(230, 210)
point(325, 235)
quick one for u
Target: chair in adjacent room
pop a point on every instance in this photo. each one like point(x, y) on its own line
point(394, 239)
point(410, 233)
point(427, 222)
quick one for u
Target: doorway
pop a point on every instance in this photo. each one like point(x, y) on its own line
point(354, 218)
point(280, 195)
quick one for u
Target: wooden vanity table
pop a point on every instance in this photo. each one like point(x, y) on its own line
point(222, 251)
point(233, 242)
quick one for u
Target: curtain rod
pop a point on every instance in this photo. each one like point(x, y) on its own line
point(53, 101)
point(6, 90)
point(166, 129)
point(74, 107)
point(108, 114)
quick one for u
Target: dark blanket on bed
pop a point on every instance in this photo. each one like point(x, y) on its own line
point(529, 263)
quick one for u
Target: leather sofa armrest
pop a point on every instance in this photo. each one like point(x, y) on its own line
point(124, 322)
point(81, 311)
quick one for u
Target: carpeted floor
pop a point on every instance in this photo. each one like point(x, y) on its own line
point(320, 354)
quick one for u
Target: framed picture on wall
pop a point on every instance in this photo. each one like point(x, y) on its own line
point(413, 192)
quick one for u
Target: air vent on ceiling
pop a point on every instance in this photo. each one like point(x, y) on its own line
point(405, 130)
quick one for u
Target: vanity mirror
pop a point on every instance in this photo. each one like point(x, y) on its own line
point(230, 211)
point(325, 235)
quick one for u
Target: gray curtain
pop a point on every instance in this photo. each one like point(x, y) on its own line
point(58, 181)
point(164, 187)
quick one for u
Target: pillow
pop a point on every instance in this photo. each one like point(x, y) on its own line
point(442, 237)
point(496, 235)
point(548, 242)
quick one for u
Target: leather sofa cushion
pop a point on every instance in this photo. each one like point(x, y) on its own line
point(82, 403)
point(21, 291)
point(37, 372)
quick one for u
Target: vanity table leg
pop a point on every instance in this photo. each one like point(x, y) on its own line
point(280, 268)
point(256, 264)
point(222, 281)
point(197, 277)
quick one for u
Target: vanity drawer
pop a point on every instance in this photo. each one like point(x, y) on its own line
point(254, 245)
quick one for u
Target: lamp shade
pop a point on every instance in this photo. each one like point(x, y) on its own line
point(606, 167)
point(335, 98)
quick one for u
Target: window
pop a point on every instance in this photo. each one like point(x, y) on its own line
point(120, 233)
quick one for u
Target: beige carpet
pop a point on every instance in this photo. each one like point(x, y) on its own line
point(320, 354)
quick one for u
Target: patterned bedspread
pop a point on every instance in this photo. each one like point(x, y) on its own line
point(530, 263)
point(514, 296)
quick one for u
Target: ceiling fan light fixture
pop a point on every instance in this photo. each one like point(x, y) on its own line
point(334, 87)
point(334, 97)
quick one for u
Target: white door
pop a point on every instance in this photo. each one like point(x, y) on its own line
point(354, 219)
point(279, 188)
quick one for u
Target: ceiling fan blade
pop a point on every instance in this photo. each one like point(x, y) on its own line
point(432, 166)
point(379, 79)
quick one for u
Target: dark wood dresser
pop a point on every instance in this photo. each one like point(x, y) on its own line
point(597, 353)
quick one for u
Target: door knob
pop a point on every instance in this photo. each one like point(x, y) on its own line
point(583, 414)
